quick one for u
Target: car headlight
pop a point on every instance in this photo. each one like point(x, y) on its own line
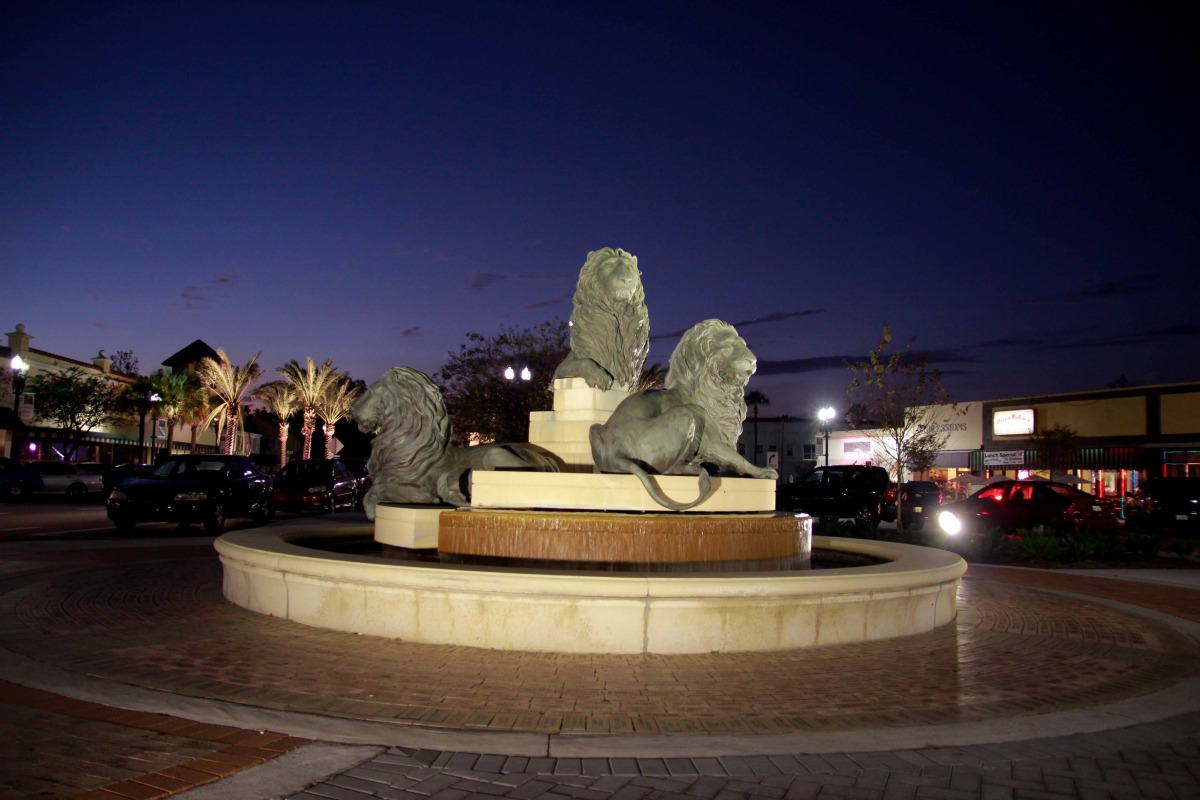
point(191, 496)
point(949, 523)
point(117, 494)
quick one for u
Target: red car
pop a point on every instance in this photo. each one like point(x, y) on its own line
point(1010, 506)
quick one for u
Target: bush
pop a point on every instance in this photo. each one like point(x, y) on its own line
point(1038, 546)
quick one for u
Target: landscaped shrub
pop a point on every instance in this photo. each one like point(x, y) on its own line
point(1037, 546)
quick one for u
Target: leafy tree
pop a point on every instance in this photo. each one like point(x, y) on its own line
point(897, 394)
point(230, 387)
point(282, 403)
point(172, 389)
point(136, 400)
point(310, 383)
point(1056, 447)
point(74, 401)
point(480, 398)
point(335, 405)
point(125, 362)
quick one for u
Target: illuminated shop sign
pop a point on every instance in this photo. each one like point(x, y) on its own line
point(1012, 422)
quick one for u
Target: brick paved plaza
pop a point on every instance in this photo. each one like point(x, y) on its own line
point(126, 674)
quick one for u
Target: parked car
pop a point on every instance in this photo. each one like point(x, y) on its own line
point(1170, 504)
point(190, 489)
point(845, 491)
point(315, 485)
point(919, 502)
point(74, 479)
point(1010, 506)
point(18, 480)
point(117, 475)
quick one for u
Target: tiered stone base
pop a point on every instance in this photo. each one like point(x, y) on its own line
point(564, 431)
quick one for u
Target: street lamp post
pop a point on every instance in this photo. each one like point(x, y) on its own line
point(826, 416)
point(20, 370)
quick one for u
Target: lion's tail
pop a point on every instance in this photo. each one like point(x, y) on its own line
point(656, 494)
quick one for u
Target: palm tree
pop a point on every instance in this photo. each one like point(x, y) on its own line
point(335, 405)
point(755, 399)
point(194, 410)
point(311, 383)
point(172, 390)
point(230, 386)
point(281, 401)
point(652, 377)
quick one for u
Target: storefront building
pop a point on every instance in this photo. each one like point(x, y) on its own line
point(1117, 437)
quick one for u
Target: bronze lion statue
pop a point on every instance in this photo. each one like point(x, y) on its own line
point(693, 421)
point(412, 460)
point(610, 328)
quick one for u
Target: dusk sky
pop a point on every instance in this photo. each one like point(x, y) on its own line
point(1016, 185)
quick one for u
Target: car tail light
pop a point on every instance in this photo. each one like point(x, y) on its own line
point(890, 496)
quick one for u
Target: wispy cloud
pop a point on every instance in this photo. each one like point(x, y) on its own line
point(202, 295)
point(777, 316)
point(1118, 288)
point(1074, 341)
point(412, 332)
point(1147, 336)
point(797, 366)
point(562, 300)
point(479, 281)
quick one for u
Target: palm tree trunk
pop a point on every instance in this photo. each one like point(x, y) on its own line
point(283, 434)
point(310, 424)
point(228, 435)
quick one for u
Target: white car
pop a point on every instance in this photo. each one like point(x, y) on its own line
point(74, 479)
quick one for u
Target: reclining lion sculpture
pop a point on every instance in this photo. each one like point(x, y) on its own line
point(610, 328)
point(693, 421)
point(412, 460)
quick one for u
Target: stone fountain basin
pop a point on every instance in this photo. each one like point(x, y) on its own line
point(591, 612)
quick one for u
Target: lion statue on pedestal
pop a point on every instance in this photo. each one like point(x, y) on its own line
point(695, 420)
point(412, 460)
point(610, 328)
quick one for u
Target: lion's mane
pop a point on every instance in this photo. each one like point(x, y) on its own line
point(610, 326)
point(408, 415)
point(692, 422)
point(412, 460)
point(711, 366)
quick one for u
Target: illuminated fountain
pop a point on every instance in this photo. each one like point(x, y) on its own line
point(543, 552)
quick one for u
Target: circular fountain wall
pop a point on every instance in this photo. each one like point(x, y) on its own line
point(269, 571)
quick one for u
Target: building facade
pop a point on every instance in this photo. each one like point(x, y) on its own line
point(25, 435)
point(1115, 438)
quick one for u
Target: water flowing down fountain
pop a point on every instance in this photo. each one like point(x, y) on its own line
point(627, 524)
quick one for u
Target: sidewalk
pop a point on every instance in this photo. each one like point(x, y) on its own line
point(127, 675)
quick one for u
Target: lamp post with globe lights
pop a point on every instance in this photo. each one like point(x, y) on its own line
point(20, 370)
point(826, 415)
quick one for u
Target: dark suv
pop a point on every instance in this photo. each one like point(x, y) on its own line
point(1171, 504)
point(920, 501)
point(845, 491)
